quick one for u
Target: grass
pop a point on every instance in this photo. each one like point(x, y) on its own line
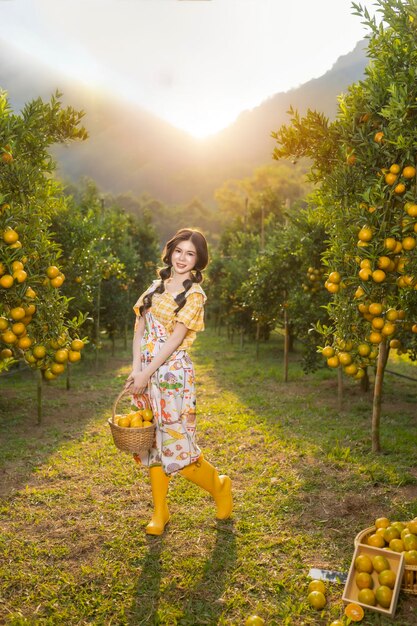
point(72, 516)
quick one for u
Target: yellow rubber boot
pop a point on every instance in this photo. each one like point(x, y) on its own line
point(160, 516)
point(203, 474)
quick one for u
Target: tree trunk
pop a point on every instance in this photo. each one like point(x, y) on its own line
point(286, 344)
point(376, 408)
point(39, 396)
point(258, 330)
point(365, 381)
point(339, 388)
point(68, 385)
point(97, 329)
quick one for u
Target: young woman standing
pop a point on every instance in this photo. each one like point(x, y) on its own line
point(169, 314)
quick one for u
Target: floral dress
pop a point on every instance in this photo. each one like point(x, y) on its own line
point(172, 386)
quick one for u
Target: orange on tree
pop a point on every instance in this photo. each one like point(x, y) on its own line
point(10, 236)
point(390, 178)
point(6, 281)
point(74, 356)
point(52, 271)
point(4, 323)
point(17, 313)
point(61, 355)
point(17, 265)
point(400, 188)
point(327, 351)
point(365, 234)
point(24, 342)
point(395, 168)
point(375, 308)
point(412, 210)
point(77, 344)
point(8, 337)
point(379, 276)
point(39, 352)
point(408, 243)
point(409, 171)
point(20, 276)
point(333, 361)
point(6, 353)
point(379, 137)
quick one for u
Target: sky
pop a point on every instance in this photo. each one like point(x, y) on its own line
point(195, 63)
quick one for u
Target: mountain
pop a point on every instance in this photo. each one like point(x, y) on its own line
point(131, 150)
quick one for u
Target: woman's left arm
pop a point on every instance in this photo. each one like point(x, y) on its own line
point(141, 379)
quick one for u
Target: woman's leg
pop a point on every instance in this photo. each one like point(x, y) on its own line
point(203, 474)
point(160, 516)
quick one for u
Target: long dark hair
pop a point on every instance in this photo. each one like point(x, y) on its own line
point(200, 243)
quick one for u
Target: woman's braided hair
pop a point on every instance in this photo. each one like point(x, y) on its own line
point(200, 243)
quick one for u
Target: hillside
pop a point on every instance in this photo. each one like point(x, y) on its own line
point(132, 150)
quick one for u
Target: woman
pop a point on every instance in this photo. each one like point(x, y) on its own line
point(169, 314)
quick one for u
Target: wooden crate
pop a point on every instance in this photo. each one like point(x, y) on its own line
point(396, 561)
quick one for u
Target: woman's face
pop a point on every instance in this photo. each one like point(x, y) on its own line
point(184, 258)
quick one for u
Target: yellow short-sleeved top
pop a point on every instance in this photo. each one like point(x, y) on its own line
point(191, 314)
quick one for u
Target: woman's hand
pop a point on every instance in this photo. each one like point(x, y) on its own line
point(137, 382)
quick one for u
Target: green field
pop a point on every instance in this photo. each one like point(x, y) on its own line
point(73, 549)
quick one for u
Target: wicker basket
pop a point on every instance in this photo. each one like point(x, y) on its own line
point(409, 582)
point(131, 439)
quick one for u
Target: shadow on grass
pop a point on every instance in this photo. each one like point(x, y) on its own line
point(202, 604)
point(25, 444)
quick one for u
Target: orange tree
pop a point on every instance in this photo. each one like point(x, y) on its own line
point(364, 166)
point(108, 258)
point(33, 314)
point(285, 285)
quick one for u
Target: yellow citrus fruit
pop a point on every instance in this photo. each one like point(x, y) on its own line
point(254, 620)
point(378, 276)
point(10, 235)
point(20, 276)
point(380, 563)
point(24, 342)
point(146, 424)
point(61, 356)
point(136, 422)
point(391, 533)
point(328, 351)
point(399, 526)
point(77, 344)
point(57, 282)
point(400, 188)
point(395, 168)
point(8, 337)
point(412, 210)
point(390, 243)
point(390, 178)
point(364, 580)
point(391, 315)
point(6, 353)
point(335, 277)
point(345, 358)
point(376, 541)
point(367, 596)
point(337, 622)
point(364, 349)
point(410, 557)
point(409, 243)
point(365, 273)
point(409, 541)
point(333, 361)
point(396, 545)
point(30, 309)
point(387, 577)
point(124, 421)
point(354, 612)
point(409, 171)
point(18, 328)
point(39, 352)
point(384, 262)
point(73, 356)
point(317, 585)
point(30, 293)
point(317, 599)
point(388, 329)
point(57, 368)
point(375, 308)
point(365, 233)
point(363, 563)
point(3, 323)
point(52, 271)
point(378, 323)
point(6, 281)
point(383, 596)
point(375, 337)
point(17, 313)
point(48, 374)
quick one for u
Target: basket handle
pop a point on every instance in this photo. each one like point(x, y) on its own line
point(143, 398)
